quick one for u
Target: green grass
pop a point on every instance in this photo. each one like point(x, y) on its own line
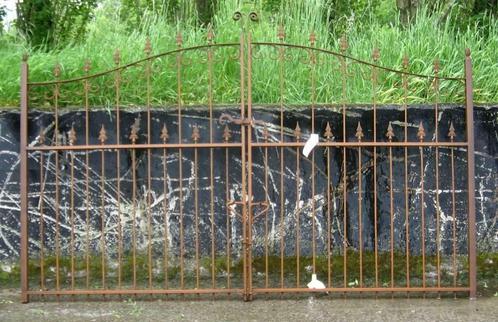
point(423, 41)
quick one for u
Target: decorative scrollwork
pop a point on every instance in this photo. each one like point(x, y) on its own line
point(243, 19)
point(237, 15)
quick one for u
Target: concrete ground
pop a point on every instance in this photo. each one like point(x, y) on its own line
point(319, 308)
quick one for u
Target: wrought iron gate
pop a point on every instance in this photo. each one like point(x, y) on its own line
point(90, 245)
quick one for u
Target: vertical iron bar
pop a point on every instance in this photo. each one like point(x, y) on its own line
point(329, 137)
point(298, 208)
point(180, 153)
point(245, 198)
point(164, 137)
point(57, 191)
point(267, 278)
point(469, 105)
point(196, 214)
point(436, 165)
point(102, 216)
point(86, 88)
point(117, 92)
point(407, 209)
point(342, 59)
point(134, 216)
point(211, 160)
point(375, 56)
point(149, 165)
point(451, 134)
point(42, 215)
point(313, 99)
point(421, 135)
point(226, 136)
point(359, 135)
point(24, 179)
point(281, 64)
point(390, 135)
point(71, 201)
point(249, 165)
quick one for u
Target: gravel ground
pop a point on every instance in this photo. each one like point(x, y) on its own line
point(305, 309)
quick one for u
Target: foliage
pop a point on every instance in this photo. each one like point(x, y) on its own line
point(424, 40)
point(3, 13)
point(53, 23)
point(132, 12)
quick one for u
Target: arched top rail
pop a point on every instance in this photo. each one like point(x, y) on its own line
point(334, 53)
point(121, 67)
point(233, 44)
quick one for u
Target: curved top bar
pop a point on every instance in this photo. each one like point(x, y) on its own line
point(356, 60)
point(70, 80)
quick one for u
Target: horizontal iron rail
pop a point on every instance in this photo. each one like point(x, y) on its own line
point(136, 292)
point(239, 145)
point(362, 144)
point(133, 146)
point(356, 60)
point(362, 289)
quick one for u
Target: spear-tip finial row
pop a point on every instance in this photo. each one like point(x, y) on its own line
point(421, 132)
point(71, 135)
point(226, 133)
point(297, 132)
point(359, 132)
point(164, 133)
point(102, 135)
point(195, 134)
point(328, 132)
point(390, 132)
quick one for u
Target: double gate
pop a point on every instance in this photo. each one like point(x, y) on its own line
point(217, 200)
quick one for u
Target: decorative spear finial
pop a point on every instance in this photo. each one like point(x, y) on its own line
point(226, 134)
point(179, 39)
point(57, 70)
point(421, 132)
point(343, 44)
point(71, 135)
point(102, 135)
point(134, 134)
point(281, 33)
point(210, 35)
point(436, 65)
point(376, 54)
point(359, 132)
point(328, 132)
point(195, 134)
point(312, 39)
point(148, 47)
point(164, 133)
point(452, 132)
point(297, 132)
point(117, 57)
point(406, 61)
point(86, 66)
point(390, 132)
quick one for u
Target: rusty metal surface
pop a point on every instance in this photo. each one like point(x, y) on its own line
point(181, 272)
